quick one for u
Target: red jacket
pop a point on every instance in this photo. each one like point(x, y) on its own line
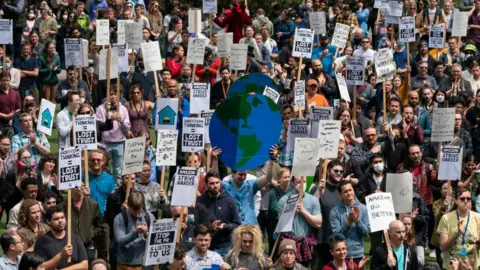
point(235, 21)
point(208, 74)
point(330, 266)
point(175, 67)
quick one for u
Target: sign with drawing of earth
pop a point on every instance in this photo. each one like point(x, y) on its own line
point(251, 83)
point(244, 128)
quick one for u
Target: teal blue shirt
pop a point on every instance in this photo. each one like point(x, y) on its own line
point(300, 227)
point(400, 253)
point(243, 197)
point(100, 186)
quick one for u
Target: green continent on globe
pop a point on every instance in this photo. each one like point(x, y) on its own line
point(236, 107)
point(250, 146)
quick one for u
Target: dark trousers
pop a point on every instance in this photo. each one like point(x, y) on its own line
point(376, 239)
point(271, 237)
point(91, 255)
point(321, 256)
point(431, 223)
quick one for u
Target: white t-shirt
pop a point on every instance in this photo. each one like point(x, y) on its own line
point(369, 54)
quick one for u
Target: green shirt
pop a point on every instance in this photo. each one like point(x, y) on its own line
point(274, 196)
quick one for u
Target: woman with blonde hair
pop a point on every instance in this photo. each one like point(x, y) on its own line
point(247, 250)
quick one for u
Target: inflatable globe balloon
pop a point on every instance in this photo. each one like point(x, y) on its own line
point(251, 83)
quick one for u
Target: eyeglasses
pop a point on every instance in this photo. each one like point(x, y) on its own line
point(338, 171)
point(370, 135)
point(465, 199)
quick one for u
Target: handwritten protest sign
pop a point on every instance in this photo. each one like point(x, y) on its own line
point(305, 157)
point(407, 29)
point(166, 113)
point(400, 185)
point(297, 128)
point(317, 114)
point(392, 20)
point(329, 136)
point(160, 248)
point(185, 187)
point(102, 67)
point(6, 32)
point(272, 94)
point(122, 50)
point(133, 155)
point(380, 211)
point(207, 115)
point(76, 52)
point(121, 32)
point(340, 35)
point(460, 23)
point(102, 30)
point(238, 57)
point(199, 97)
point(285, 222)
point(392, 9)
point(209, 6)
point(380, 4)
point(192, 139)
point(196, 50)
point(69, 168)
point(436, 37)
point(86, 132)
point(194, 21)
point(166, 152)
point(303, 43)
point(443, 122)
point(46, 116)
point(342, 87)
point(134, 34)
point(318, 22)
point(355, 70)
point(151, 56)
point(384, 65)
point(299, 98)
point(450, 166)
point(224, 44)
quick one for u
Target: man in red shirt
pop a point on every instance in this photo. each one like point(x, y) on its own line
point(10, 103)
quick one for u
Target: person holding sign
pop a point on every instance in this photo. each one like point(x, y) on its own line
point(71, 83)
point(29, 139)
point(155, 197)
point(338, 249)
point(64, 121)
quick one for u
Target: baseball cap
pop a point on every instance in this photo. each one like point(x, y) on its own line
point(312, 82)
point(323, 36)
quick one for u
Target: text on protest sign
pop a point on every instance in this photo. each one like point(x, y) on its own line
point(305, 157)
point(6, 32)
point(133, 155)
point(151, 56)
point(318, 22)
point(303, 43)
point(340, 35)
point(317, 114)
point(194, 21)
point(122, 50)
point(407, 29)
point(209, 6)
point(285, 221)
point(102, 29)
point(224, 44)
point(355, 70)
point(199, 97)
point(392, 9)
point(207, 115)
point(342, 87)
point(271, 93)
point(192, 139)
point(121, 32)
point(329, 135)
point(392, 20)
point(379, 3)
point(69, 168)
point(384, 65)
point(380, 211)
point(460, 23)
point(76, 52)
point(400, 185)
point(166, 152)
point(166, 113)
point(443, 122)
point(160, 248)
point(196, 50)
point(185, 187)
point(102, 67)
point(297, 128)
point(133, 34)
point(436, 38)
point(450, 166)
point(299, 98)
point(45, 117)
point(238, 57)
point(86, 132)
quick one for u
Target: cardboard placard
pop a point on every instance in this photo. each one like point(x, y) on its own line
point(400, 185)
point(317, 114)
point(384, 65)
point(329, 137)
point(196, 50)
point(134, 34)
point(443, 122)
point(209, 6)
point(224, 44)
point(102, 32)
point(380, 211)
point(166, 113)
point(355, 70)
point(305, 157)
point(450, 165)
point(161, 242)
point(185, 187)
point(122, 50)
point(303, 43)
point(238, 57)
point(193, 131)
point(340, 35)
point(460, 23)
point(86, 132)
point(199, 97)
point(297, 128)
point(436, 37)
point(76, 52)
point(318, 22)
point(121, 32)
point(151, 56)
point(69, 168)
point(407, 29)
point(299, 91)
point(102, 67)
point(6, 32)
point(342, 87)
point(285, 221)
point(166, 152)
point(133, 155)
point(45, 117)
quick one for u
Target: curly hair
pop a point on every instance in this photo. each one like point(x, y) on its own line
point(258, 251)
point(24, 210)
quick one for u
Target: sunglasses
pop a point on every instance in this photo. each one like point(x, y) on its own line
point(465, 199)
point(338, 171)
point(88, 112)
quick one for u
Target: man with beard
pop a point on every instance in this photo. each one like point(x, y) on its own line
point(427, 98)
point(31, 226)
point(452, 56)
point(219, 90)
point(325, 52)
point(327, 84)
point(200, 254)
point(54, 246)
point(422, 79)
point(456, 86)
point(223, 210)
point(394, 117)
point(413, 131)
point(72, 82)
point(185, 79)
point(439, 74)
point(422, 115)
point(362, 152)
point(423, 56)
point(463, 135)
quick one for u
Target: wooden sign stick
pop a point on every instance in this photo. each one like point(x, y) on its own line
point(274, 246)
point(157, 89)
point(85, 161)
point(209, 156)
point(3, 58)
point(162, 178)
point(354, 109)
point(384, 103)
point(387, 241)
point(118, 93)
point(69, 221)
point(179, 229)
point(109, 58)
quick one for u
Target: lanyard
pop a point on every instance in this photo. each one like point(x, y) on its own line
point(223, 89)
point(466, 226)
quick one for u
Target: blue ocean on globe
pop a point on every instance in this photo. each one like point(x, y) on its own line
point(244, 128)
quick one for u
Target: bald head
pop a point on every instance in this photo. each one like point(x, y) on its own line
point(396, 224)
point(396, 231)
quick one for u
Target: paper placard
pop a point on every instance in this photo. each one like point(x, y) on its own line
point(102, 30)
point(460, 23)
point(380, 4)
point(355, 70)
point(86, 132)
point(450, 165)
point(392, 20)
point(76, 52)
point(133, 34)
point(166, 152)
point(393, 9)
point(122, 50)
point(209, 6)
point(285, 221)
point(297, 128)
point(299, 91)
point(121, 32)
point(6, 32)
point(192, 137)
point(224, 44)
point(161, 242)
point(207, 115)
point(317, 114)
point(443, 122)
point(400, 185)
point(238, 57)
point(199, 97)
point(271, 93)
point(318, 22)
point(196, 50)
point(69, 168)
point(185, 187)
point(380, 211)
point(305, 157)
point(166, 113)
point(329, 136)
point(303, 43)
point(151, 56)
point(407, 29)
point(45, 117)
point(340, 35)
point(133, 155)
point(384, 65)
point(436, 37)
point(342, 87)
point(194, 21)
point(102, 66)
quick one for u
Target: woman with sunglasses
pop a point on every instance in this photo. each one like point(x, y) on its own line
point(138, 110)
point(155, 19)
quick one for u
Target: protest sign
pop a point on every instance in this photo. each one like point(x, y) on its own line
point(443, 122)
point(86, 132)
point(303, 43)
point(392, 20)
point(297, 128)
point(299, 91)
point(209, 6)
point(450, 166)
point(102, 67)
point(318, 22)
point(192, 139)
point(285, 222)
point(45, 117)
point(342, 87)
point(224, 44)
point(194, 21)
point(460, 23)
point(6, 32)
point(355, 70)
point(69, 168)
point(196, 50)
point(238, 57)
point(133, 34)
point(436, 37)
point(207, 115)
point(76, 52)
point(122, 50)
point(400, 185)
point(166, 152)
point(160, 247)
point(166, 113)
point(272, 94)
point(151, 56)
point(392, 9)
point(384, 65)
point(380, 4)
point(317, 114)
point(329, 136)
point(121, 32)
point(380, 211)
point(407, 29)
point(133, 155)
point(102, 30)
point(340, 35)
point(305, 157)
point(185, 187)
point(199, 97)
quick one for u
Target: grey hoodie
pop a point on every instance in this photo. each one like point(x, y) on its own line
point(261, 21)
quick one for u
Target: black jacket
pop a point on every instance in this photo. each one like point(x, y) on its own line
point(421, 220)
point(368, 186)
point(379, 258)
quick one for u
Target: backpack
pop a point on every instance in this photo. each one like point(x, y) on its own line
point(125, 218)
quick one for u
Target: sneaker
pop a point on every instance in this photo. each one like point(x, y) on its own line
point(432, 254)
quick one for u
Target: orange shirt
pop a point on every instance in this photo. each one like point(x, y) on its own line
point(317, 101)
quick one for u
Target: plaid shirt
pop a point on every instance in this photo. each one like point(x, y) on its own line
point(348, 21)
point(21, 140)
point(467, 142)
point(286, 156)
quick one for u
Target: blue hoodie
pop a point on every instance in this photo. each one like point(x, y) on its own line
point(355, 233)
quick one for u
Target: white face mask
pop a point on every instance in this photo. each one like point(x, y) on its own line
point(31, 16)
point(309, 5)
point(378, 167)
point(90, 69)
point(440, 98)
point(64, 17)
point(82, 100)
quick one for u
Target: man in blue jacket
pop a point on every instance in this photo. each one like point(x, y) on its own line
point(350, 218)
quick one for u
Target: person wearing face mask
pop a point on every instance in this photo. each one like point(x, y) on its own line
point(30, 24)
point(15, 76)
point(71, 83)
point(327, 85)
point(325, 53)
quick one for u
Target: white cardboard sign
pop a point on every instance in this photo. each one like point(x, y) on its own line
point(305, 157)
point(161, 242)
point(450, 166)
point(224, 44)
point(400, 185)
point(355, 70)
point(151, 56)
point(199, 97)
point(340, 35)
point(285, 221)
point(193, 132)
point(45, 117)
point(380, 211)
point(185, 187)
point(133, 155)
point(166, 152)
point(102, 30)
point(69, 168)
point(238, 57)
point(303, 43)
point(102, 67)
point(443, 122)
point(86, 132)
point(407, 29)
point(329, 137)
point(6, 32)
point(297, 128)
